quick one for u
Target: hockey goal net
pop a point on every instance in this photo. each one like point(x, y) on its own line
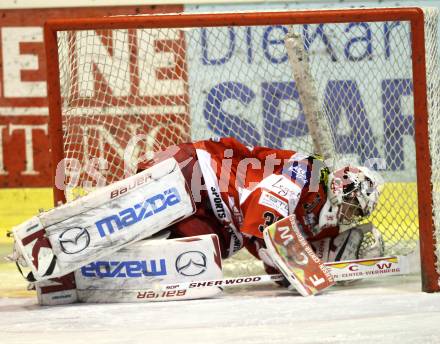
point(365, 90)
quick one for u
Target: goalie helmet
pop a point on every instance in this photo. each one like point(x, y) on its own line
point(352, 194)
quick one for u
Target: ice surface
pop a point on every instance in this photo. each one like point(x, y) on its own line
point(390, 310)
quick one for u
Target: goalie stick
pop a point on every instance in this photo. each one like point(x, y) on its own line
point(348, 270)
point(318, 125)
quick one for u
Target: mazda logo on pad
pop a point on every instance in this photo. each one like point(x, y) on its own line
point(191, 263)
point(74, 240)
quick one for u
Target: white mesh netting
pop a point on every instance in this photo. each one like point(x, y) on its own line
point(179, 85)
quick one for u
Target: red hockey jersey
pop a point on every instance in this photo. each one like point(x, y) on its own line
point(249, 188)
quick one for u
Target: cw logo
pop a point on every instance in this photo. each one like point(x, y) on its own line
point(380, 266)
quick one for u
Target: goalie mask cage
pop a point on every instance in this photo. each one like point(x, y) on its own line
point(365, 90)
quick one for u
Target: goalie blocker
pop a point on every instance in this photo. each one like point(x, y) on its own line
point(65, 238)
point(295, 258)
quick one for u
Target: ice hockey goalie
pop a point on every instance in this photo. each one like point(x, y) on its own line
point(236, 191)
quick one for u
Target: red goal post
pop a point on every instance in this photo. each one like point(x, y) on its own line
point(72, 99)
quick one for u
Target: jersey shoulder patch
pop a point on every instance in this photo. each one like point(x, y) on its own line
point(304, 170)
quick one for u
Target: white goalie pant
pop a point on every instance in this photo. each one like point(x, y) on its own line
point(68, 237)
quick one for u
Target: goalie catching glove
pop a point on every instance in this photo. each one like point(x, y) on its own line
point(362, 241)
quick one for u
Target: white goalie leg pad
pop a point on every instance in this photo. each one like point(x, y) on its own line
point(70, 236)
point(136, 272)
point(57, 291)
point(62, 290)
